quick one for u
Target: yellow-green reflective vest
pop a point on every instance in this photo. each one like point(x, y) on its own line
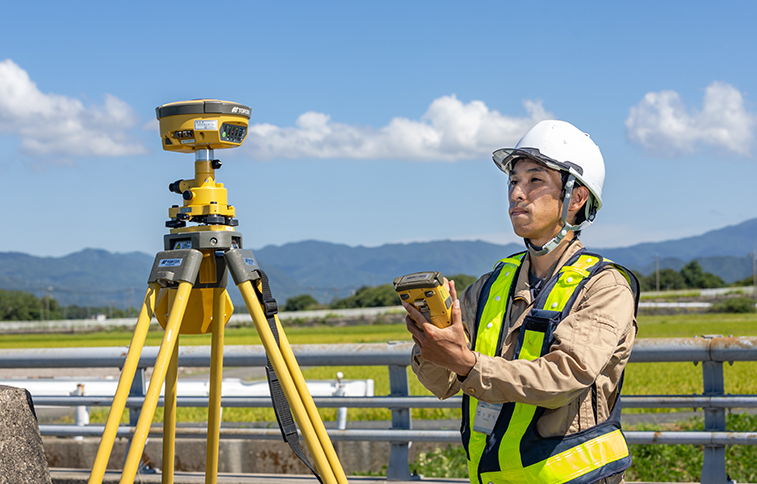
point(514, 452)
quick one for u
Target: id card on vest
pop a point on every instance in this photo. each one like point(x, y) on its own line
point(486, 417)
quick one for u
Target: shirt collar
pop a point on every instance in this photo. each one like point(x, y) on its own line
point(522, 287)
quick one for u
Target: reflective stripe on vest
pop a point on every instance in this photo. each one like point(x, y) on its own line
point(487, 339)
point(515, 453)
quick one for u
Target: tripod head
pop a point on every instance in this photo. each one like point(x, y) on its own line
point(201, 126)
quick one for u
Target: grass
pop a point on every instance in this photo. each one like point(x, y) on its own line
point(376, 333)
point(670, 295)
point(690, 325)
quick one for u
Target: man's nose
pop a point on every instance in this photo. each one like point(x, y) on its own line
point(516, 192)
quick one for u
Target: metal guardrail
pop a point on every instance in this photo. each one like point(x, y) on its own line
point(712, 351)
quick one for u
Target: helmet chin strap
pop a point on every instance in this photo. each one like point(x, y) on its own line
point(552, 244)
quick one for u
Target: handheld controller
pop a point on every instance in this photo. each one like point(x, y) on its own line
point(426, 291)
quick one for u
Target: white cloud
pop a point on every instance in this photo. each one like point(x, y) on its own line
point(449, 130)
point(52, 124)
point(663, 124)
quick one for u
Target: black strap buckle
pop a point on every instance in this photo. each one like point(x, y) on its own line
point(270, 307)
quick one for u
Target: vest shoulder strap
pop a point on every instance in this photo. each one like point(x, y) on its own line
point(494, 299)
point(562, 289)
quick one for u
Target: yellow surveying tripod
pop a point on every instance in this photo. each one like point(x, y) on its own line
point(187, 295)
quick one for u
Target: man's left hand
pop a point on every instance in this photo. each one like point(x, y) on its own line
point(445, 347)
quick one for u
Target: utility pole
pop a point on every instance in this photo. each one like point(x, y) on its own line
point(754, 273)
point(657, 272)
point(47, 301)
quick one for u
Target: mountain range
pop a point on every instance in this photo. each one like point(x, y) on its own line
point(94, 277)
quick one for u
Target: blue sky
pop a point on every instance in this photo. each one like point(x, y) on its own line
point(372, 123)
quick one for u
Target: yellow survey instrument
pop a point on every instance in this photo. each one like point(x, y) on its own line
point(426, 291)
point(202, 124)
point(187, 295)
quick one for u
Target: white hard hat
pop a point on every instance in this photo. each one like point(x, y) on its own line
point(561, 146)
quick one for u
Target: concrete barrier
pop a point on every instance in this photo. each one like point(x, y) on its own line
point(22, 457)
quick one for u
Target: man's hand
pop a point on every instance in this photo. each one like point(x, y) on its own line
point(445, 347)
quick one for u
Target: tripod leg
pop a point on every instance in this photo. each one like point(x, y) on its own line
point(124, 384)
point(156, 382)
point(310, 408)
point(287, 384)
point(169, 416)
point(216, 375)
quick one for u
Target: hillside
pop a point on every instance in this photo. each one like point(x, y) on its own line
point(95, 277)
point(733, 241)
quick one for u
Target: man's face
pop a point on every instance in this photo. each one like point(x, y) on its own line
point(535, 201)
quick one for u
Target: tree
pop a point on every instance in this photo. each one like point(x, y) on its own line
point(646, 283)
point(669, 280)
point(747, 281)
point(22, 306)
point(696, 277)
point(461, 282)
point(369, 297)
point(300, 303)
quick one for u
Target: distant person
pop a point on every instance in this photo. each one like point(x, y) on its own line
point(539, 346)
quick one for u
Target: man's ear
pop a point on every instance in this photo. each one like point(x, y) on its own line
point(578, 199)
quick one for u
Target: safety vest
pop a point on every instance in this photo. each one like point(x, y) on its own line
point(514, 452)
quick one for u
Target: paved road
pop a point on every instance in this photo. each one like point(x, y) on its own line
point(78, 476)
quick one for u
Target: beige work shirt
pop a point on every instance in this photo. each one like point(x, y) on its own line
point(592, 344)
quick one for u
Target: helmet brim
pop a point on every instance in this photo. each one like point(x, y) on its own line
point(505, 157)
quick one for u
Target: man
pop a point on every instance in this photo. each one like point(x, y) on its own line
point(539, 345)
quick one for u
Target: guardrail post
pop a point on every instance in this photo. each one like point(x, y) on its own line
point(341, 412)
point(713, 466)
point(137, 390)
point(81, 415)
point(399, 460)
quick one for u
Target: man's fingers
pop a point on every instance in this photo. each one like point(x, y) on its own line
point(414, 313)
point(418, 343)
point(457, 315)
point(412, 326)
